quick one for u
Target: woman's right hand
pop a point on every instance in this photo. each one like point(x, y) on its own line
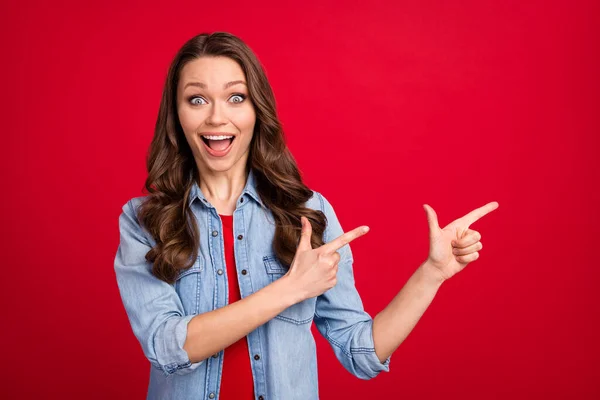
point(314, 271)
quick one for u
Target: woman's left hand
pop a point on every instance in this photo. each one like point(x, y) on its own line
point(454, 246)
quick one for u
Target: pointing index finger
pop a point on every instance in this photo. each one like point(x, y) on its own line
point(476, 214)
point(344, 239)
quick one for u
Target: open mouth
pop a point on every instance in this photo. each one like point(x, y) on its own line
point(218, 147)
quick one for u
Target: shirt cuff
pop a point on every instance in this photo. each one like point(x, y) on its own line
point(168, 343)
point(365, 356)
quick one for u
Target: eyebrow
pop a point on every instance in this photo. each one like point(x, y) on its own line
point(203, 85)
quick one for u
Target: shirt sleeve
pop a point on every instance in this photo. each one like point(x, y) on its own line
point(340, 316)
point(153, 306)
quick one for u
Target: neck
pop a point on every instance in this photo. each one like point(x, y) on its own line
point(223, 187)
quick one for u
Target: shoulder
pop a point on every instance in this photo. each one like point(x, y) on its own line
point(333, 228)
point(129, 224)
point(129, 210)
point(134, 203)
point(319, 202)
point(315, 202)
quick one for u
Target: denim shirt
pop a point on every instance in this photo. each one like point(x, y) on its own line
point(283, 352)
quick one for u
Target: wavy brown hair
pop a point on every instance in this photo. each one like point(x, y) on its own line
point(165, 212)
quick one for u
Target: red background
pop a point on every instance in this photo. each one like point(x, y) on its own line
point(386, 106)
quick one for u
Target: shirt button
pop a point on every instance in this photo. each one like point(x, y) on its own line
point(212, 395)
point(215, 355)
point(261, 398)
point(240, 237)
point(256, 357)
point(215, 233)
point(244, 272)
point(220, 272)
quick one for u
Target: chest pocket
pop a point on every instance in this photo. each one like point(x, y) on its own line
point(188, 286)
point(300, 313)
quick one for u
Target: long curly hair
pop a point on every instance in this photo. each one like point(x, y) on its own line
point(165, 212)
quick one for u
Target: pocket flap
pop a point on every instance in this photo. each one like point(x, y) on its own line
point(273, 265)
point(194, 269)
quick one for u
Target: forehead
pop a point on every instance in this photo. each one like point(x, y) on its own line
point(212, 71)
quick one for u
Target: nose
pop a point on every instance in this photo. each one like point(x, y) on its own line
point(216, 115)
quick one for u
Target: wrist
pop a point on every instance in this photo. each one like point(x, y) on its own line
point(432, 274)
point(288, 291)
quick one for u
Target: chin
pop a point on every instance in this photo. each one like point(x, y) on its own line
point(219, 165)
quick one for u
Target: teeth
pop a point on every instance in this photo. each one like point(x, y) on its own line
point(222, 137)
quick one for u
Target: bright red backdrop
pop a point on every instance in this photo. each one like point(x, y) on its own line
point(386, 106)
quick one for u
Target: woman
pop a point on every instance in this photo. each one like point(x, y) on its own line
point(225, 264)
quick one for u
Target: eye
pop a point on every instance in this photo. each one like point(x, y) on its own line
point(240, 96)
point(192, 98)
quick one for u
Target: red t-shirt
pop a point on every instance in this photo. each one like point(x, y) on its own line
point(236, 379)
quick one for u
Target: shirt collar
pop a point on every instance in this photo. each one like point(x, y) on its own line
point(249, 189)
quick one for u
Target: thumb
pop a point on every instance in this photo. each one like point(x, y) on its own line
point(305, 235)
point(432, 220)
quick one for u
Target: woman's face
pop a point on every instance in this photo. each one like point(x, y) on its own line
point(216, 113)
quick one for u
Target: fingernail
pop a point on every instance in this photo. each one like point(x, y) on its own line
point(365, 229)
